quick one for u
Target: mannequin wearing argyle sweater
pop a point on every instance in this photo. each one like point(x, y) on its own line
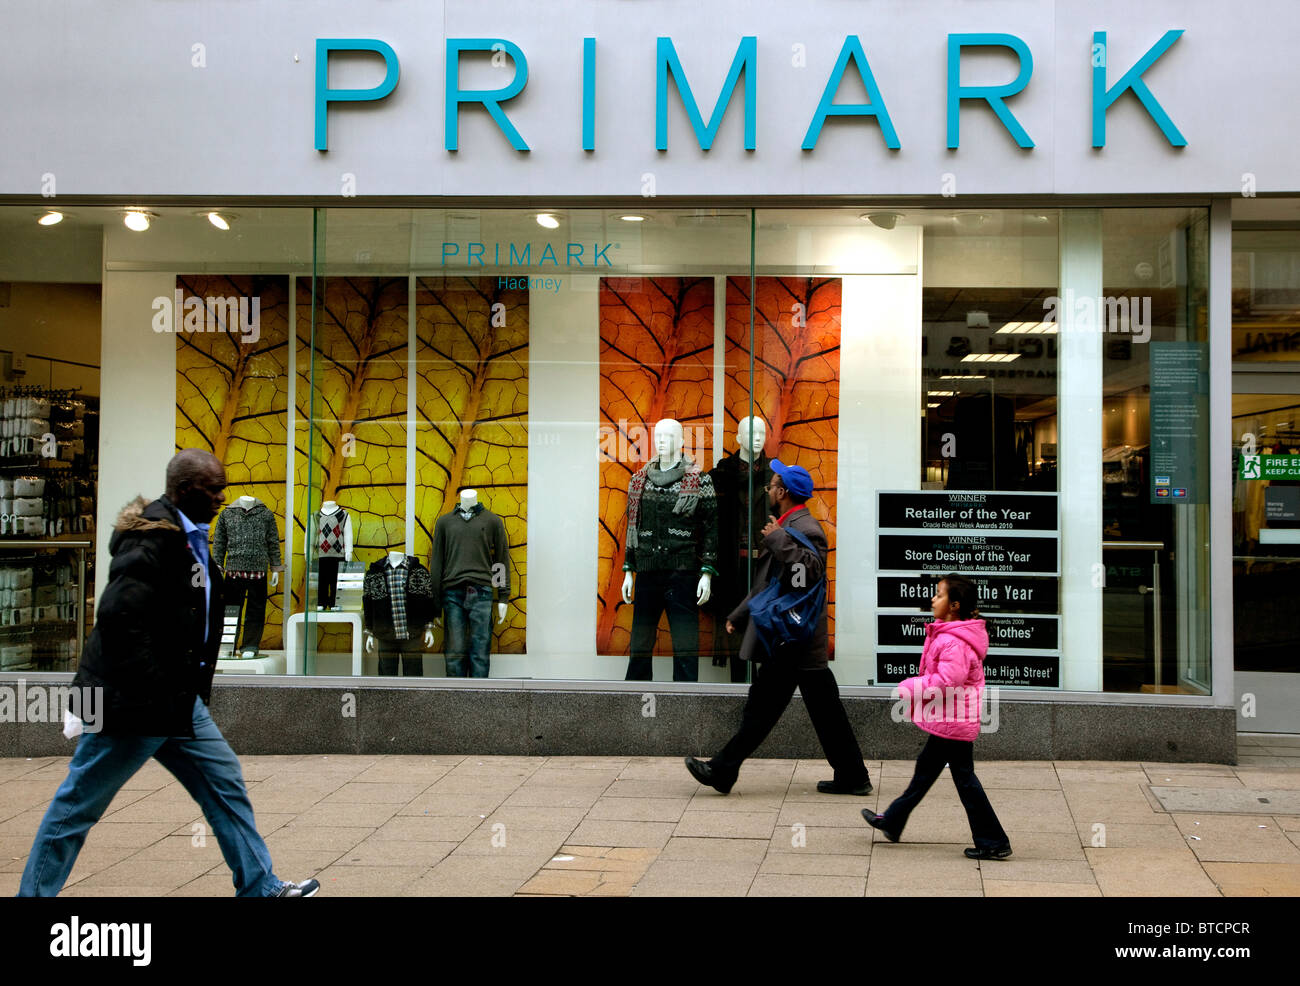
point(672, 547)
point(331, 541)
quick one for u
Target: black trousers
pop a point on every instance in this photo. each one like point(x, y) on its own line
point(959, 756)
point(655, 593)
point(768, 697)
point(248, 595)
point(327, 581)
point(726, 646)
point(411, 652)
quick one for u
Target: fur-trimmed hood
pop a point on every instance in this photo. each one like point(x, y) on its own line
point(132, 518)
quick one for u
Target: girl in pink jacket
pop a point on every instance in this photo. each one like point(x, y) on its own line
point(944, 700)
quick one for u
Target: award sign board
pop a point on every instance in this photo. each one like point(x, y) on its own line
point(1008, 544)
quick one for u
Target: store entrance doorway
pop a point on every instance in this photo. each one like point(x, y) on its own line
point(1266, 547)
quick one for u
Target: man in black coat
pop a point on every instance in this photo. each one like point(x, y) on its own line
point(153, 653)
point(805, 668)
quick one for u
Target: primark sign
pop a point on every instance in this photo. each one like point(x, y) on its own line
point(1109, 83)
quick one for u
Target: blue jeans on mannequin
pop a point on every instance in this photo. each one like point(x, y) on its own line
point(207, 768)
point(468, 611)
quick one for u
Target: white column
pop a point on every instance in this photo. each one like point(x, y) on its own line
point(1080, 404)
point(563, 485)
point(137, 430)
point(880, 443)
point(1220, 575)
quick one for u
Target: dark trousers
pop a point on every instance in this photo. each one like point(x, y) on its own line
point(959, 756)
point(675, 593)
point(410, 651)
point(248, 595)
point(768, 697)
point(726, 646)
point(327, 581)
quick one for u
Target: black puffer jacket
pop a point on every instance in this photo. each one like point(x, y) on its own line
point(147, 650)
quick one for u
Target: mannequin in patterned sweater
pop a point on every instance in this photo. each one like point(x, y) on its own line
point(672, 545)
point(246, 544)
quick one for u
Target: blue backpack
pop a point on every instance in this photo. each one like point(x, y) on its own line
point(784, 619)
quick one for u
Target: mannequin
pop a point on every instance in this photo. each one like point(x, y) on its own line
point(330, 539)
point(671, 536)
point(470, 561)
point(246, 544)
point(397, 631)
point(741, 516)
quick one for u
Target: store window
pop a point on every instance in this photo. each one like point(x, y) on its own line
point(527, 444)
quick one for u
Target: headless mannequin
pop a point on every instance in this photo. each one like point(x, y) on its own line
point(742, 512)
point(328, 508)
point(248, 503)
point(395, 558)
point(468, 501)
point(668, 449)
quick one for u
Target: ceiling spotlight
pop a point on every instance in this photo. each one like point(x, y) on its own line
point(970, 220)
point(632, 217)
point(885, 220)
point(218, 220)
point(50, 218)
point(137, 220)
point(548, 220)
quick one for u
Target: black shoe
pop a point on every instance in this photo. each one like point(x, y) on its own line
point(705, 774)
point(830, 787)
point(878, 822)
point(307, 888)
point(1001, 853)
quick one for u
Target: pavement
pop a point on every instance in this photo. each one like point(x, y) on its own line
point(641, 826)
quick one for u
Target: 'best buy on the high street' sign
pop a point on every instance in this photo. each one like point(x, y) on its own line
point(1269, 467)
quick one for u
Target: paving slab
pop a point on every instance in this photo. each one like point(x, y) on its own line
point(1256, 879)
point(1012, 888)
point(1234, 800)
point(807, 885)
point(1150, 873)
point(599, 832)
point(727, 824)
point(721, 850)
point(638, 809)
point(1237, 838)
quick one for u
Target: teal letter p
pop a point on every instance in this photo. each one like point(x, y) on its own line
point(325, 95)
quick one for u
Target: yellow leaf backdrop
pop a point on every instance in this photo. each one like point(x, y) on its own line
point(472, 417)
point(232, 397)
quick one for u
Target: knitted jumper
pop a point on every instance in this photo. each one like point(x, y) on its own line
point(672, 520)
point(247, 540)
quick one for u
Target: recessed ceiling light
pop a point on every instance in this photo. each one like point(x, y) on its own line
point(222, 222)
point(548, 220)
point(632, 217)
point(885, 220)
point(138, 220)
point(50, 218)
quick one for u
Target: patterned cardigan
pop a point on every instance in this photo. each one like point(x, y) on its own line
point(377, 607)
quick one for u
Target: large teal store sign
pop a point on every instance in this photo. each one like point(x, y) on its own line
point(745, 63)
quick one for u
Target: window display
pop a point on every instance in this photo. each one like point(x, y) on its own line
point(246, 544)
point(470, 560)
point(398, 604)
point(672, 542)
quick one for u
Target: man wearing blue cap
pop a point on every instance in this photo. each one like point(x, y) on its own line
point(806, 668)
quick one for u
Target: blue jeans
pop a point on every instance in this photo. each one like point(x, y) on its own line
point(207, 768)
point(468, 609)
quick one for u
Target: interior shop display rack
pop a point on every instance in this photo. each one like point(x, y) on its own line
point(49, 446)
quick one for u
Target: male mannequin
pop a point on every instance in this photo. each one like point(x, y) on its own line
point(470, 559)
point(742, 514)
point(395, 629)
point(247, 543)
point(671, 536)
point(330, 537)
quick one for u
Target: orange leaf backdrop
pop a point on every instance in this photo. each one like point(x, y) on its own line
point(656, 361)
point(796, 381)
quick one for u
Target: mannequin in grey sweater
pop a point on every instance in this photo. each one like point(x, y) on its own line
point(470, 561)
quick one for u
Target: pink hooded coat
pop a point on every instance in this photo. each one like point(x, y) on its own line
point(944, 699)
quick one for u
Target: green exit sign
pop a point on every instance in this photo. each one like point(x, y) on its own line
point(1270, 467)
